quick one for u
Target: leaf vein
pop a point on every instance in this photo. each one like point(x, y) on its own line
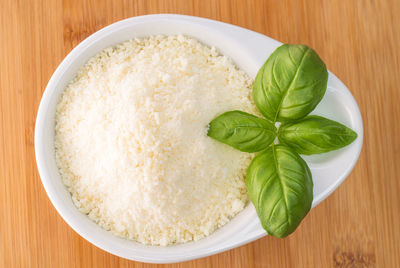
point(290, 84)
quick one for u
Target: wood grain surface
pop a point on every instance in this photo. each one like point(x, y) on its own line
point(357, 226)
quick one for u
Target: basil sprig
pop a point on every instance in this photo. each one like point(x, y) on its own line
point(287, 88)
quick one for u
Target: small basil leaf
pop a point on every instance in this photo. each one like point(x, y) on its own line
point(280, 186)
point(243, 131)
point(315, 135)
point(290, 84)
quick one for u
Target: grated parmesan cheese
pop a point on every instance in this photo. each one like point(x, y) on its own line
point(131, 142)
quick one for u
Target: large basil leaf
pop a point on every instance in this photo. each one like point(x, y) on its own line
point(280, 186)
point(242, 131)
point(315, 135)
point(290, 84)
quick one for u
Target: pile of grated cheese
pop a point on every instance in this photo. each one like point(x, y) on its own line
point(132, 146)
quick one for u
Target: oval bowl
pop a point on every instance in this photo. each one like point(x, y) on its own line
point(248, 50)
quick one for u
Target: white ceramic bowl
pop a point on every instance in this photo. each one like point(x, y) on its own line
point(249, 50)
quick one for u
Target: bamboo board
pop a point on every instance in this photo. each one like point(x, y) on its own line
point(357, 226)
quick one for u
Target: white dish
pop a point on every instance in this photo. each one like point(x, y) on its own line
point(249, 50)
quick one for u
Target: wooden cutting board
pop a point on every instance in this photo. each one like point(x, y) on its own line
point(357, 226)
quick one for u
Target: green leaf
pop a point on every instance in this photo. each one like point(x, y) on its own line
point(243, 131)
point(280, 186)
point(315, 135)
point(290, 84)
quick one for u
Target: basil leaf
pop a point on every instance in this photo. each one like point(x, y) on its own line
point(243, 131)
point(290, 84)
point(280, 186)
point(315, 135)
